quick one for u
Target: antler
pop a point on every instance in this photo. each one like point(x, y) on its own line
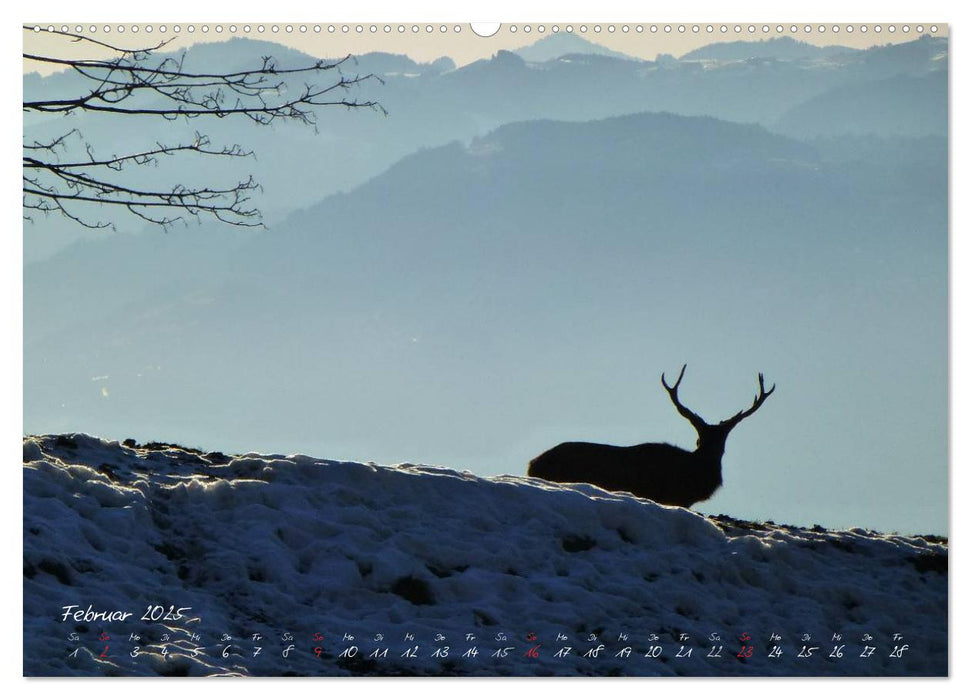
point(759, 400)
point(696, 420)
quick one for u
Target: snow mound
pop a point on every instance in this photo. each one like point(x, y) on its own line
point(321, 565)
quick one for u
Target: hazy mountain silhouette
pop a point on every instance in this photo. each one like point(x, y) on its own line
point(562, 44)
point(900, 106)
point(925, 53)
point(451, 309)
point(430, 104)
point(783, 48)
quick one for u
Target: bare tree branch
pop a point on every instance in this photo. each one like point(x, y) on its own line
point(136, 84)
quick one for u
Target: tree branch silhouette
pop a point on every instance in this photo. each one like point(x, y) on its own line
point(138, 84)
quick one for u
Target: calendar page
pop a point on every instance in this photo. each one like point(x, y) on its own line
point(524, 349)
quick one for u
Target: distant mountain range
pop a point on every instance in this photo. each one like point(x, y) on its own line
point(430, 104)
point(898, 106)
point(488, 279)
point(556, 46)
point(781, 48)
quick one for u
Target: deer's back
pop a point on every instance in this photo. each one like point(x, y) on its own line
point(658, 471)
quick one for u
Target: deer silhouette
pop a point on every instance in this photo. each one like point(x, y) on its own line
point(658, 471)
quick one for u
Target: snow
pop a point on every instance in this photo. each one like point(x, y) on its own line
point(322, 551)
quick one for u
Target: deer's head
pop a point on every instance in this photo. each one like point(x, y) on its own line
point(712, 437)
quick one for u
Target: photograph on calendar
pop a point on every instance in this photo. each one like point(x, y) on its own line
point(475, 350)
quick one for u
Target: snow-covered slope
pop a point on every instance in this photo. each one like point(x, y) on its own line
point(317, 564)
